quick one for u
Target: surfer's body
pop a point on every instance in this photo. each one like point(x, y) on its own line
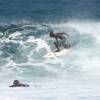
point(16, 83)
point(60, 40)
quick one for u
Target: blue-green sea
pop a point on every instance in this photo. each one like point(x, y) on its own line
point(24, 40)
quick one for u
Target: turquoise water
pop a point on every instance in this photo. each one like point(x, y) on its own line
point(24, 40)
point(22, 11)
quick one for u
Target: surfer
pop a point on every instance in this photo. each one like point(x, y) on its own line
point(60, 40)
point(16, 83)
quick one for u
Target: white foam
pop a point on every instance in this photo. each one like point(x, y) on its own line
point(78, 58)
point(14, 35)
point(92, 28)
point(42, 44)
point(81, 26)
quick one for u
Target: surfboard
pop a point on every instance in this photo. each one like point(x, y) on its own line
point(56, 54)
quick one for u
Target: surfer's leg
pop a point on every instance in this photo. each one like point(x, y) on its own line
point(56, 45)
point(66, 44)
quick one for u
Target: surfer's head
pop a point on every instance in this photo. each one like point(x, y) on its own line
point(16, 82)
point(51, 34)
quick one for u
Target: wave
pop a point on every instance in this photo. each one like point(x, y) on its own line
point(21, 51)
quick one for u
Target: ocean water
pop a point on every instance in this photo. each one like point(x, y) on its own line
point(24, 40)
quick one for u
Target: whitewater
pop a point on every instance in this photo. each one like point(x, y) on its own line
point(74, 76)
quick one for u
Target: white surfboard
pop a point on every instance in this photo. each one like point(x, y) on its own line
point(56, 54)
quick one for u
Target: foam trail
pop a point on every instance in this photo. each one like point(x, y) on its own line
point(42, 44)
